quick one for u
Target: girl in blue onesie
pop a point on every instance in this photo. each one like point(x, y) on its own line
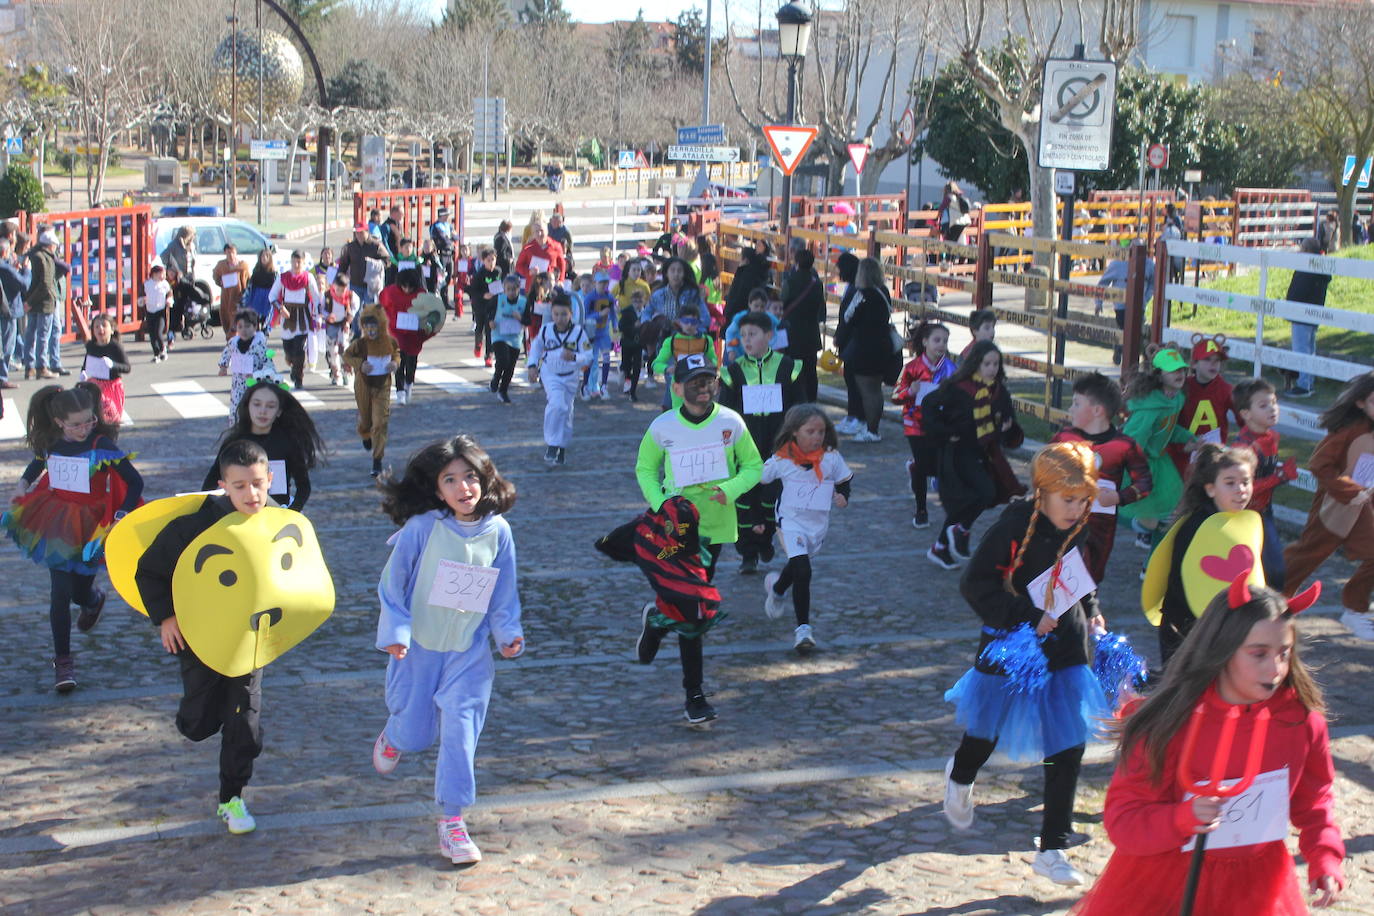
point(448, 586)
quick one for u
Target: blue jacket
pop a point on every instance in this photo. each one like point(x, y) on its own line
point(14, 282)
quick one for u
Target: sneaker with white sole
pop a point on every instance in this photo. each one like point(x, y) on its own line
point(849, 426)
point(1053, 864)
point(235, 815)
point(650, 636)
point(864, 435)
point(802, 640)
point(773, 604)
point(385, 756)
point(455, 843)
point(958, 800)
point(1359, 624)
point(939, 555)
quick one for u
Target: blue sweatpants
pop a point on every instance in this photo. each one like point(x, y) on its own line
point(443, 693)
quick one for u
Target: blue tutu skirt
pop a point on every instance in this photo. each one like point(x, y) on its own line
point(1031, 726)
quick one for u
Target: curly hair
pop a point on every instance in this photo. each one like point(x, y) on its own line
point(417, 491)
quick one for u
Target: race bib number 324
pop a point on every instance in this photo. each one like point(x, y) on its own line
point(462, 587)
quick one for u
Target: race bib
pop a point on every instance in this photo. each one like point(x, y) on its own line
point(539, 265)
point(240, 363)
point(779, 341)
point(1072, 584)
point(278, 485)
point(407, 321)
point(95, 367)
point(425, 270)
point(815, 495)
point(229, 280)
point(462, 587)
point(294, 296)
point(1363, 474)
point(698, 464)
point(763, 398)
point(496, 287)
point(508, 326)
point(924, 390)
point(462, 265)
point(1258, 815)
point(543, 309)
point(1212, 435)
point(1104, 484)
point(337, 312)
point(70, 473)
point(377, 365)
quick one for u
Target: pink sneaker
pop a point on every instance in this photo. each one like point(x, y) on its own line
point(385, 757)
point(455, 843)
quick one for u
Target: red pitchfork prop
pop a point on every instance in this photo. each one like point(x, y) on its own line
point(1215, 786)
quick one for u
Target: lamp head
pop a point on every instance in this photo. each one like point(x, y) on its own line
point(794, 30)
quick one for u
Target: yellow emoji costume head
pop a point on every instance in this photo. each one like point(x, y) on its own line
point(430, 311)
point(253, 586)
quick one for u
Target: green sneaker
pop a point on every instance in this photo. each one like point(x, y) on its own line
point(235, 815)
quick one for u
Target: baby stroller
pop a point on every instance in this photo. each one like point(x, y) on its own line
point(197, 315)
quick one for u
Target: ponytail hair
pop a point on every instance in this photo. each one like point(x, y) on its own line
point(53, 403)
point(1069, 468)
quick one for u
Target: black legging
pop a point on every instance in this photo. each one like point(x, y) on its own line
point(295, 357)
point(797, 576)
point(405, 372)
point(966, 487)
point(925, 463)
point(810, 383)
point(482, 316)
point(67, 587)
point(157, 331)
point(854, 402)
point(689, 647)
point(631, 361)
point(506, 355)
point(1061, 780)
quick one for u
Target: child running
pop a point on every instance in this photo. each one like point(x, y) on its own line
point(244, 356)
point(972, 418)
point(1241, 661)
point(273, 418)
point(298, 303)
point(157, 299)
point(59, 519)
point(1017, 582)
point(1154, 397)
point(212, 702)
point(341, 307)
point(1257, 406)
point(1341, 515)
point(448, 588)
point(814, 478)
point(105, 367)
point(919, 378)
point(558, 354)
point(373, 356)
point(631, 350)
point(507, 324)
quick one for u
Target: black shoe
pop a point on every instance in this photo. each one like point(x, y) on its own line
point(634, 398)
point(767, 552)
point(64, 674)
point(921, 519)
point(551, 455)
point(505, 398)
point(650, 636)
point(376, 467)
point(90, 613)
point(561, 458)
point(959, 535)
point(69, 372)
point(748, 566)
point(367, 445)
point(697, 709)
point(939, 555)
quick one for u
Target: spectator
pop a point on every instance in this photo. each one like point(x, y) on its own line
point(752, 273)
point(953, 213)
point(865, 342)
point(14, 282)
point(1305, 286)
point(180, 253)
point(558, 231)
point(504, 248)
point(1115, 276)
point(1329, 232)
point(441, 234)
point(40, 305)
point(392, 232)
point(666, 246)
point(803, 297)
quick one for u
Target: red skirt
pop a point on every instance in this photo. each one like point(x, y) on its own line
point(111, 398)
point(1243, 881)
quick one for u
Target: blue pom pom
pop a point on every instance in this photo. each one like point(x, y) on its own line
point(1020, 658)
point(1116, 664)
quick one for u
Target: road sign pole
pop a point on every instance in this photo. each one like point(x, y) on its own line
point(786, 221)
point(1062, 313)
point(907, 215)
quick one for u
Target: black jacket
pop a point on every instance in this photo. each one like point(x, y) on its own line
point(1000, 610)
point(805, 295)
point(159, 561)
point(1308, 287)
point(505, 252)
point(865, 340)
point(947, 415)
point(773, 369)
point(752, 274)
point(278, 447)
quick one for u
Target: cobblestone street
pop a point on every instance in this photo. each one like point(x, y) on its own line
point(817, 791)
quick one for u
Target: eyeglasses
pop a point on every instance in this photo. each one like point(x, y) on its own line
point(81, 424)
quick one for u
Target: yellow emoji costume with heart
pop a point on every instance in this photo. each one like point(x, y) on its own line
point(245, 590)
point(1210, 563)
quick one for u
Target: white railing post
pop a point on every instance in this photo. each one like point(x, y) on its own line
point(1259, 316)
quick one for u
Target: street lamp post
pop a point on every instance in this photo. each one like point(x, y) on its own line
point(794, 34)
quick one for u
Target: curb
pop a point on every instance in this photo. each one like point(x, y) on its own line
point(316, 229)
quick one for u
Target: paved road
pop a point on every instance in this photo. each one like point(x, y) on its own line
point(816, 792)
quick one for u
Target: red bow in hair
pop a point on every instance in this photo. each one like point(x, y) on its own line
point(1011, 560)
point(1239, 592)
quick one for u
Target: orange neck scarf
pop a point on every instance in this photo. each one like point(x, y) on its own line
point(794, 454)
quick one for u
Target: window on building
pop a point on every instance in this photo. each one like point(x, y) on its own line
point(1259, 45)
point(1179, 45)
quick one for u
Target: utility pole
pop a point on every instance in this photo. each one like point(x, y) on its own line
point(232, 165)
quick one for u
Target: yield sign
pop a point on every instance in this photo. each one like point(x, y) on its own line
point(858, 154)
point(789, 144)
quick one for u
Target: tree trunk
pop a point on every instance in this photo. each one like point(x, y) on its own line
point(1345, 206)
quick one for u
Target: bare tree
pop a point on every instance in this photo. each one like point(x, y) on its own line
point(1044, 30)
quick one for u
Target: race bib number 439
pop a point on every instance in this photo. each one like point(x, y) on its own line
point(462, 587)
point(69, 473)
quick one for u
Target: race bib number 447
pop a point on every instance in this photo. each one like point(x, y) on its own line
point(698, 464)
point(462, 587)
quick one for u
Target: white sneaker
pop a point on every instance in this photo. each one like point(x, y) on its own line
point(1053, 864)
point(958, 800)
point(625, 387)
point(863, 435)
point(802, 640)
point(455, 843)
point(1358, 624)
point(402, 396)
point(848, 426)
point(773, 603)
point(235, 815)
point(385, 756)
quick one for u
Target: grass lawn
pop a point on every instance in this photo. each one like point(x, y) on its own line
point(114, 171)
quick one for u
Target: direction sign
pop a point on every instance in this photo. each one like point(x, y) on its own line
point(789, 144)
point(858, 154)
point(268, 149)
point(489, 125)
point(701, 135)
point(704, 153)
point(1350, 170)
point(625, 159)
point(1076, 105)
point(1157, 156)
point(906, 128)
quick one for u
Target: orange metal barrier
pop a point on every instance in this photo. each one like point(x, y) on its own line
point(109, 250)
point(419, 208)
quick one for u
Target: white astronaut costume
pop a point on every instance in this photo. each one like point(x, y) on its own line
point(560, 376)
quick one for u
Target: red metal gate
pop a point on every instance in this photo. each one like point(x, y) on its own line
point(419, 208)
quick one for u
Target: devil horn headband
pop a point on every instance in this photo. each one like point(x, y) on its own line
point(1305, 599)
point(1239, 592)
